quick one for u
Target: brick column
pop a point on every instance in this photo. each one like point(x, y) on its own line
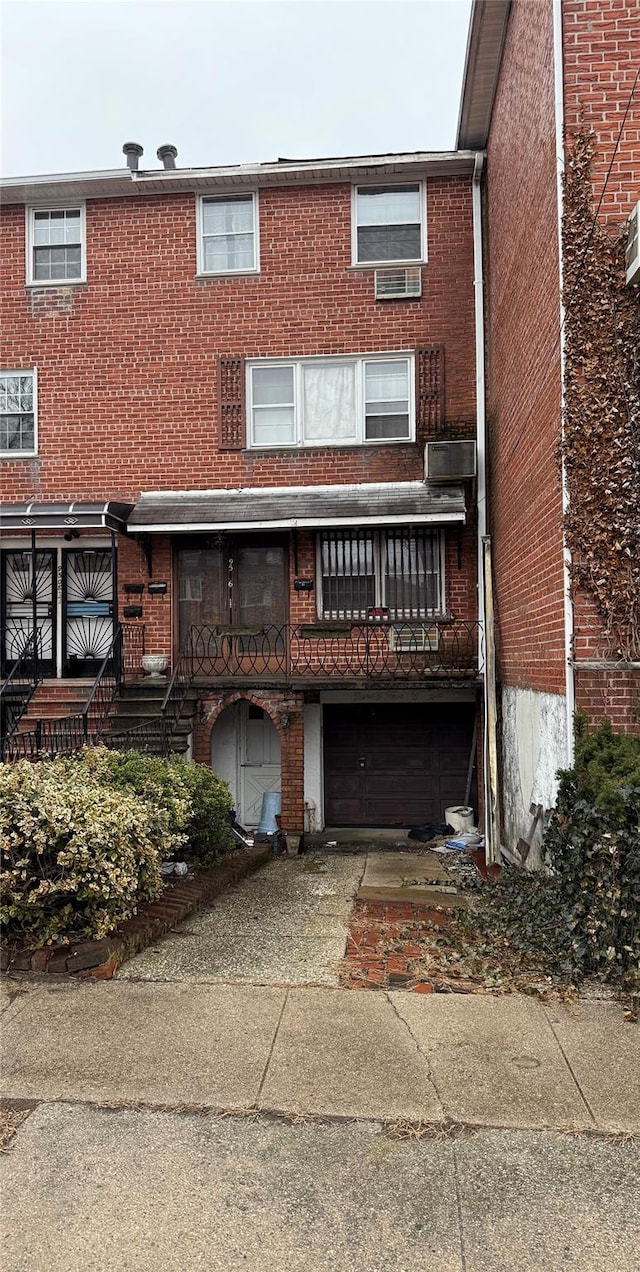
point(293, 772)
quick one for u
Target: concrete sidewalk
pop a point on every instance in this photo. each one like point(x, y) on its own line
point(89, 1190)
point(506, 1062)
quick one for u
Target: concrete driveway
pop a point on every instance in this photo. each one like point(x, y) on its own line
point(285, 925)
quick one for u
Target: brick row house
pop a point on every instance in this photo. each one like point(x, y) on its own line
point(243, 417)
point(544, 83)
point(238, 412)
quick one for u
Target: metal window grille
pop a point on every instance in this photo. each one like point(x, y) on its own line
point(394, 571)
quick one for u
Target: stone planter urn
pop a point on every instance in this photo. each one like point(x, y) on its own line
point(154, 666)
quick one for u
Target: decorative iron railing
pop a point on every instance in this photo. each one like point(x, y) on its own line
point(379, 651)
point(155, 735)
point(20, 683)
point(133, 649)
point(69, 733)
point(152, 738)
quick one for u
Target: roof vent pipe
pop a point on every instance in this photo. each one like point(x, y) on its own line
point(168, 155)
point(133, 152)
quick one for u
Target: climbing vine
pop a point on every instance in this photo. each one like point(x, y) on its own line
point(601, 443)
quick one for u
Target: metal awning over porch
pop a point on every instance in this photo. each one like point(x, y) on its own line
point(65, 516)
point(291, 507)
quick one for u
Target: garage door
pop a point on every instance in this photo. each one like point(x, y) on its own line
point(395, 765)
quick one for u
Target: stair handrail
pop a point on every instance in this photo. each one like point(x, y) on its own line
point(31, 650)
point(180, 682)
point(104, 688)
point(158, 730)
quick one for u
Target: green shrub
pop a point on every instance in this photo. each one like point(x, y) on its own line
point(189, 804)
point(593, 847)
point(158, 782)
point(77, 858)
point(209, 830)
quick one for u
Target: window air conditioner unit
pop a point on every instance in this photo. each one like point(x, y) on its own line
point(449, 461)
point(632, 253)
point(408, 639)
point(398, 284)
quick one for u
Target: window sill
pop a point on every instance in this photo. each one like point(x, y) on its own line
point(58, 283)
point(243, 273)
point(308, 448)
point(5, 455)
point(360, 265)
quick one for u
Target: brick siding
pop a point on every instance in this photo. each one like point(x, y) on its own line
point(128, 362)
point(523, 359)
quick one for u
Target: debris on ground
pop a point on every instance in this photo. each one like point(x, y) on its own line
point(10, 1121)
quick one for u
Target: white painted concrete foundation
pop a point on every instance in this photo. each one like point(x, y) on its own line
point(534, 747)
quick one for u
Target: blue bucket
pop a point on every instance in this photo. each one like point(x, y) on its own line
point(271, 808)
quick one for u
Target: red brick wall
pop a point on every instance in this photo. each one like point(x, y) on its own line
point(601, 47)
point(523, 358)
point(127, 363)
point(160, 620)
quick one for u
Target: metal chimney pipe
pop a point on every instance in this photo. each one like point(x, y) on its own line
point(168, 155)
point(133, 152)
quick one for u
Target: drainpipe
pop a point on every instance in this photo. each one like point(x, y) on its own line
point(489, 797)
point(570, 688)
point(34, 602)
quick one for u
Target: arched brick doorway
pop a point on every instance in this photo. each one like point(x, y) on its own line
point(246, 752)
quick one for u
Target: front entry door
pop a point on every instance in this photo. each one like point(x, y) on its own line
point(239, 583)
point(18, 585)
point(87, 605)
point(259, 761)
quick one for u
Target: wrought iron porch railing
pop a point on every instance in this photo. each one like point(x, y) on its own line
point(379, 651)
point(20, 683)
point(67, 734)
point(155, 735)
point(133, 649)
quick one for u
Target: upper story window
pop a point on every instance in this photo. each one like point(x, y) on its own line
point(56, 245)
point(17, 413)
point(228, 236)
point(389, 224)
point(331, 402)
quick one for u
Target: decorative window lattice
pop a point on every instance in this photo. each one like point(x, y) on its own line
point(232, 406)
point(429, 392)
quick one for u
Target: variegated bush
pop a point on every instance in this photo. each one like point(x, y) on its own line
point(77, 856)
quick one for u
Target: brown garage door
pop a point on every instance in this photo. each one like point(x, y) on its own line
point(395, 765)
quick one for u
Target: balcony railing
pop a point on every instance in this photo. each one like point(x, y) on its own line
point(380, 652)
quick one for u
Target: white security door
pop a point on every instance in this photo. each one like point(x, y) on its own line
point(259, 763)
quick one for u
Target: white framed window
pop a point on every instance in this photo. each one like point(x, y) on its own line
point(18, 414)
point(331, 401)
point(389, 224)
point(395, 574)
point(56, 253)
point(228, 234)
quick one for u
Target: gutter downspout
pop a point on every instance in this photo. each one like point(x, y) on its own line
point(570, 690)
point(491, 828)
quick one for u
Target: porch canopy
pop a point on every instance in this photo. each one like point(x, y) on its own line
point(65, 516)
point(291, 507)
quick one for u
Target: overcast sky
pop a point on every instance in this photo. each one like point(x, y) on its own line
point(226, 82)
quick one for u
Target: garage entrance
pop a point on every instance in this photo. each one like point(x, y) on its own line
point(395, 764)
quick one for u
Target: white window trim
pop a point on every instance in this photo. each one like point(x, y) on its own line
point(23, 454)
point(30, 211)
point(340, 443)
point(201, 272)
point(380, 531)
point(384, 185)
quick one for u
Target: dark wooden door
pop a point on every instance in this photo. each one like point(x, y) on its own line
point(395, 764)
point(237, 583)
